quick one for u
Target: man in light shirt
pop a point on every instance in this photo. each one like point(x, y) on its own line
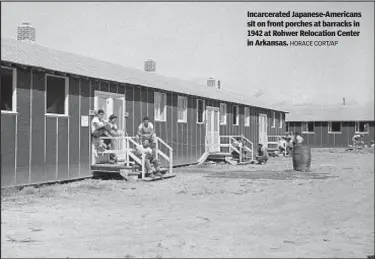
point(149, 159)
point(298, 140)
point(98, 123)
point(146, 131)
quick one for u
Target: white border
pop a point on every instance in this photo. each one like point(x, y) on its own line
point(66, 101)
point(359, 132)
point(181, 98)
point(334, 132)
point(308, 132)
point(224, 113)
point(204, 111)
point(237, 116)
point(247, 117)
point(14, 94)
point(156, 118)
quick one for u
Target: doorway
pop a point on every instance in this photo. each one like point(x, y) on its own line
point(112, 103)
point(213, 129)
point(263, 137)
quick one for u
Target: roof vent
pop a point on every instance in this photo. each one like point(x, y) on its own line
point(26, 32)
point(150, 65)
point(211, 82)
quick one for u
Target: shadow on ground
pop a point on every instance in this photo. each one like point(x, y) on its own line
point(270, 175)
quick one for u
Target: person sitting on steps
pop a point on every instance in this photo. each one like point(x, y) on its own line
point(146, 131)
point(149, 159)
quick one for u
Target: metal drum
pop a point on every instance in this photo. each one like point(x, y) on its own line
point(301, 158)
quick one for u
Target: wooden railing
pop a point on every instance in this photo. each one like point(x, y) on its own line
point(126, 146)
point(169, 158)
point(273, 141)
point(232, 139)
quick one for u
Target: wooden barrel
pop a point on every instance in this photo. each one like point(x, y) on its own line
point(301, 158)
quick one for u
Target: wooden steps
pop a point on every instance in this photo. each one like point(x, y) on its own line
point(110, 168)
point(126, 172)
point(157, 178)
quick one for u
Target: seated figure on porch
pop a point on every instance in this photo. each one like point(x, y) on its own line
point(100, 128)
point(262, 154)
point(358, 140)
point(282, 146)
point(149, 159)
point(112, 132)
point(146, 131)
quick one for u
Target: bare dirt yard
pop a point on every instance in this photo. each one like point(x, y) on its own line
point(211, 211)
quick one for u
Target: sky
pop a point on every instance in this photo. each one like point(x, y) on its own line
point(194, 41)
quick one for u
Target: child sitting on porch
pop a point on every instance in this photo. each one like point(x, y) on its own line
point(149, 159)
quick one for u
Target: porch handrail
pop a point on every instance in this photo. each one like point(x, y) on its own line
point(232, 138)
point(166, 157)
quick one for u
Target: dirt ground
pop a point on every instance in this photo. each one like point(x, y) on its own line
point(210, 211)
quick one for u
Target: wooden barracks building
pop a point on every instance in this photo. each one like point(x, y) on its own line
point(332, 126)
point(48, 97)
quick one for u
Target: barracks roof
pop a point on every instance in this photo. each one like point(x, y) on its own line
point(331, 113)
point(31, 54)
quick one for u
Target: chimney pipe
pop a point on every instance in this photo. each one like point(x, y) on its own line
point(218, 84)
point(343, 101)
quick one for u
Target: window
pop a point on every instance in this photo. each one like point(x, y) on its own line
point(235, 114)
point(182, 109)
point(281, 120)
point(287, 127)
point(200, 111)
point(8, 89)
point(273, 119)
point(308, 127)
point(247, 116)
point(160, 103)
point(334, 127)
point(57, 89)
point(223, 113)
point(361, 127)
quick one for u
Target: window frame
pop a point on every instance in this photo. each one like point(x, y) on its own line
point(307, 127)
point(184, 100)
point(330, 127)
point(356, 127)
point(14, 93)
point(237, 115)
point(247, 116)
point(66, 101)
point(273, 119)
point(204, 111)
point(224, 114)
point(157, 116)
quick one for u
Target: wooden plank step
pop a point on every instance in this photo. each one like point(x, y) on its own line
point(110, 168)
point(219, 154)
point(157, 178)
point(229, 160)
point(246, 162)
point(203, 158)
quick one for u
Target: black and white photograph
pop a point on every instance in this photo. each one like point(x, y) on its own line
point(187, 129)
